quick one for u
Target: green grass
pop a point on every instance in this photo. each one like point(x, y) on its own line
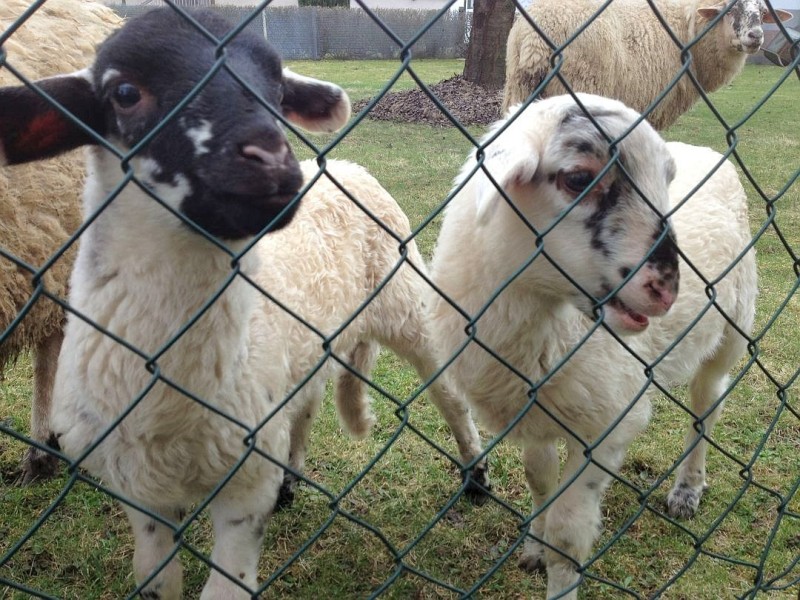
point(84, 550)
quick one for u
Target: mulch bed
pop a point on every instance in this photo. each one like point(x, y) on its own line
point(467, 102)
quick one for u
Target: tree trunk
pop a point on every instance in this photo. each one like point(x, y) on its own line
point(486, 52)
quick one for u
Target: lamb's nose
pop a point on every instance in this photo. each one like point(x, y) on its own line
point(663, 292)
point(269, 158)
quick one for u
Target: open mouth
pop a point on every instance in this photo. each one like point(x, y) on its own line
point(626, 317)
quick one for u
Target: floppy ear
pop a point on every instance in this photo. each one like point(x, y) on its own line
point(312, 104)
point(709, 12)
point(31, 128)
point(783, 15)
point(509, 167)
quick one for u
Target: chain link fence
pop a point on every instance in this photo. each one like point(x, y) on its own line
point(390, 519)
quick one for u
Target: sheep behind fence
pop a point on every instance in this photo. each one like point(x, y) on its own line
point(626, 52)
point(384, 516)
point(40, 205)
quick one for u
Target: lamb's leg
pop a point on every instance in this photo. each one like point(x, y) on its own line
point(153, 543)
point(239, 516)
point(574, 518)
point(37, 463)
point(304, 408)
point(455, 412)
point(705, 389)
point(541, 471)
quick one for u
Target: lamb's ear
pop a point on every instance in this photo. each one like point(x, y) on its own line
point(314, 105)
point(509, 166)
point(31, 128)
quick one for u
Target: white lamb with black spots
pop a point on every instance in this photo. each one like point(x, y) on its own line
point(582, 224)
point(164, 414)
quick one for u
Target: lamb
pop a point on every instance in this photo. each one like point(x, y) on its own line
point(164, 388)
point(625, 53)
point(323, 267)
point(24, 186)
point(579, 242)
point(32, 230)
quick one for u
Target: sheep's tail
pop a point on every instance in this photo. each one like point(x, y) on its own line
point(350, 395)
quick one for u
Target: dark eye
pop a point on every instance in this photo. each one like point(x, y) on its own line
point(577, 181)
point(126, 95)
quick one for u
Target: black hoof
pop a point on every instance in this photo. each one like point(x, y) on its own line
point(533, 563)
point(478, 485)
point(38, 465)
point(286, 493)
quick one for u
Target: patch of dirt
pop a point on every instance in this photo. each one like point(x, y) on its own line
point(470, 104)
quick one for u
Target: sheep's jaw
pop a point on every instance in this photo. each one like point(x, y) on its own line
point(623, 319)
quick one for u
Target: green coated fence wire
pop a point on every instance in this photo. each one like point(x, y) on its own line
point(408, 558)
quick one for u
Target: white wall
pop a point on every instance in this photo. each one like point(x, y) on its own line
point(254, 2)
point(416, 4)
point(217, 2)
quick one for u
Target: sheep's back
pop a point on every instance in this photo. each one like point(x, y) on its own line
point(712, 230)
point(625, 53)
point(40, 204)
point(330, 260)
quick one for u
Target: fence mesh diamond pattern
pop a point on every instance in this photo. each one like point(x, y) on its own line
point(394, 514)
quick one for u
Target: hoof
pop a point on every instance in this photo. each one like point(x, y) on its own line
point(682, 501)
point(38, 465)
point(533, 561)
point(479, 487)
point(286, 493)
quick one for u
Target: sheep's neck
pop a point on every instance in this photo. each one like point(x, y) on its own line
point(524, 328)
point(144, 276)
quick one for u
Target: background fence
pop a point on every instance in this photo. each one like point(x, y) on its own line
point(384, 517)
point(314, 33)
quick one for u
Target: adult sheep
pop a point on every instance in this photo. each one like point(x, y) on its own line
point(527, 270)
point(625, 53)
point(164, 387)
point(40, 204)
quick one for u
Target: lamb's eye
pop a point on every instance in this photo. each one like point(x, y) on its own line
point(577, 181)
point(126, 95)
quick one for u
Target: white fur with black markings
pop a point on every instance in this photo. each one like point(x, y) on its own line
point(531, 272)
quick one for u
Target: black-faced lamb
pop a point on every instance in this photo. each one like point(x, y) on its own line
point(582, 223)
point(40, 205)
point(164, 388)
point(625, 53)
point(136, 260)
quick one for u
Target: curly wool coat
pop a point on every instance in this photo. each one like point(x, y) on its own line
point(624, 53)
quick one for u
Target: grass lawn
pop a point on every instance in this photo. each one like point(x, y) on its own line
point(747, 531)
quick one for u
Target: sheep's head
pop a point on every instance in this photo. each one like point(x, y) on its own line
point(222, 159)
point(742, 24)
point(592, 199)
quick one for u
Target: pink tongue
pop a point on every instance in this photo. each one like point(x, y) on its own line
point(633, 319)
